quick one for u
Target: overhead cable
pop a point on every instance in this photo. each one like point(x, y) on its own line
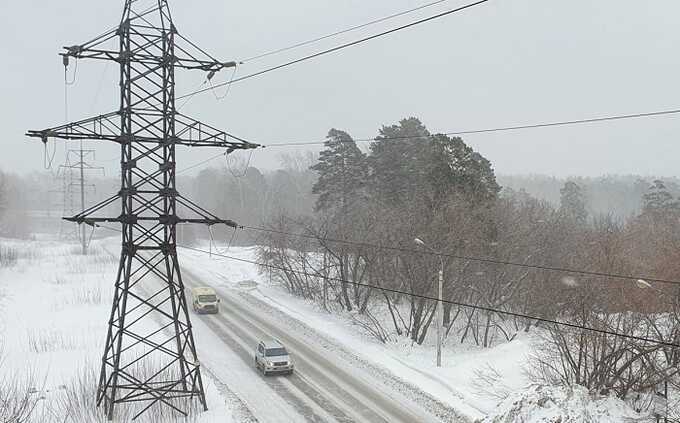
point(337, 48)
point(344, 31)
point(495, 129)
point(470, 258)
point(431, 298)
point(201, 163)
point(451, 302)
point(607, 118)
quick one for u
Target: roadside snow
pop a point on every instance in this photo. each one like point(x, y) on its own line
point(53, 322)
point(540, 404)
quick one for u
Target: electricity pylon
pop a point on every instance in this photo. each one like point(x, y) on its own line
point(61, 198)
point(141, 363)
point(72, 172)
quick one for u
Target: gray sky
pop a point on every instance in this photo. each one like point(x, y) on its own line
point(503, 63)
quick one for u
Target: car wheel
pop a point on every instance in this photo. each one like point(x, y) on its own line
point(290, 372)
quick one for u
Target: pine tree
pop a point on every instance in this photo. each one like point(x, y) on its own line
point(573, 202)
point(658, 200)
point(342, 173)
point(457, 168)
point(408, 164)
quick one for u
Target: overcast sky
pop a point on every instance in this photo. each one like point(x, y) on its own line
point(503, 63)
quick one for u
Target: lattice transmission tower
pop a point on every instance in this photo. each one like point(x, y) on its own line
point(143, 363)
point(73, 190)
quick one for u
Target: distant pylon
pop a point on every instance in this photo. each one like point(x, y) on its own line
point(72, 175)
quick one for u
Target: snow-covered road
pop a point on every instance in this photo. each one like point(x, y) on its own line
point(324, 387)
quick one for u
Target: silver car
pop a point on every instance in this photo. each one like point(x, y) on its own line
point(272, 357)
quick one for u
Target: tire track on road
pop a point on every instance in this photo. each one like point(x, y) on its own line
point(232, 341)
point(237, 338)
point(365, 401)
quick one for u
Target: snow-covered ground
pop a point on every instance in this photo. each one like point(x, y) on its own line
point(452, 384)
point(55, 304)
point(457, 383)
point(566, 405)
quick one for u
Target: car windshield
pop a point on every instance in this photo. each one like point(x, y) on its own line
point(207, 298)
point(273, 352)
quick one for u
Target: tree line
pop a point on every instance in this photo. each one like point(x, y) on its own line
point(413, 184)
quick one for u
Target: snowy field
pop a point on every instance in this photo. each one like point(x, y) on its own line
point(54, 305)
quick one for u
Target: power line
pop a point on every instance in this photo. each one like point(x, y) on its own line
point(497, 129)
point(344, 31)
point(201, 163)
point(223, 96)
point(454, 133)
point(598, 119)
point(340, 47)
point(456, 303)
point(211, 158)
point(427, 297)
point(469, 258)
point(245, 168)
point(453, 256)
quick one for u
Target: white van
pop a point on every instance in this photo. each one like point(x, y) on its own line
point(204, 300)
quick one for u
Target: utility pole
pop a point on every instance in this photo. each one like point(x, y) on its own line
point(439, 307)
point(141, 365)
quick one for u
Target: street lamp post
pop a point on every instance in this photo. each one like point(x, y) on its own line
point(439, 306)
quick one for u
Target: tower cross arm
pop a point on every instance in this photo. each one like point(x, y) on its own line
point(165, 220)
point(187, 55)
point(94, 49)
point(188, 131)
point(194, 133)
point(183, 61)
point(193, 213)
point(190, 56)
point(102, 127)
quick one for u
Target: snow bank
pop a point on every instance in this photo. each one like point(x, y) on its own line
point(543, 404)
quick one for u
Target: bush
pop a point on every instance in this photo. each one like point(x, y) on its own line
point(604, 364)
point(77, 401)
point(18, 397)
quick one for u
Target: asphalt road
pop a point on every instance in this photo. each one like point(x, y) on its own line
point(323, 387)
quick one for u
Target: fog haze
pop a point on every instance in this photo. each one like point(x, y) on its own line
point(502, 63)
